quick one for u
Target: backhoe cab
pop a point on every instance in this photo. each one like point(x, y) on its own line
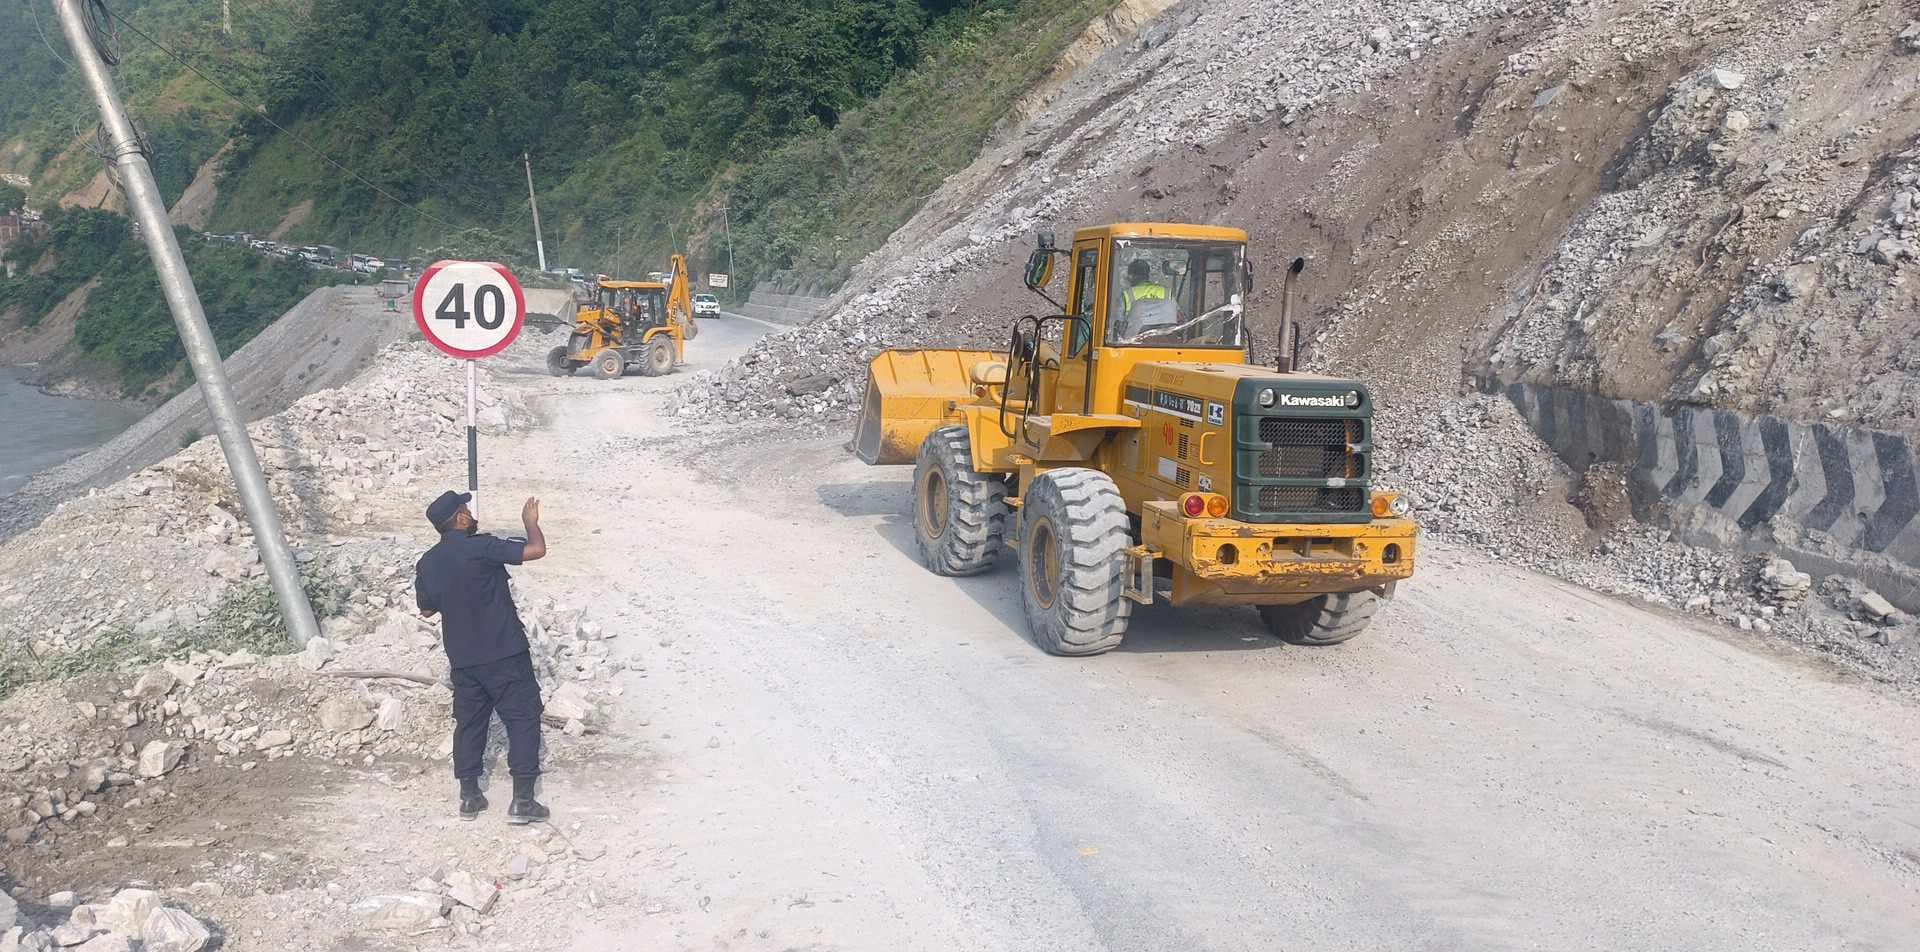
point(1125, 450)
point(618, 323)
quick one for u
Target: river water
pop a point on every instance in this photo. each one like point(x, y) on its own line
point(38, 431)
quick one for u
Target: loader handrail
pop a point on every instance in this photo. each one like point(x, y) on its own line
point(1029, 356)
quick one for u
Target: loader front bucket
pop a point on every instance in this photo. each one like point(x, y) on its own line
point(907, 396)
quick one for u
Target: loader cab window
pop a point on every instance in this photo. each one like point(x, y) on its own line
point(1085, 291)
point(1170, 293)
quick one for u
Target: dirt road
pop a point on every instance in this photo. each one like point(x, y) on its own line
point(831, 748)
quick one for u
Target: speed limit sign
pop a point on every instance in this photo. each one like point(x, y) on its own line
point(469, 309)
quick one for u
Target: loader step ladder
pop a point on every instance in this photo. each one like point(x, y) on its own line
point(1138, 586)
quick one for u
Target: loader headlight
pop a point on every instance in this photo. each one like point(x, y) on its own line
point(1390, 504)
point(1353, 399)
point(1266, 397)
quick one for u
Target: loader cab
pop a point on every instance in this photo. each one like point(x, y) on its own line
point(1135, 293)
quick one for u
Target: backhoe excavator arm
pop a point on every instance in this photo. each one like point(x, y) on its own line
point(680, 299)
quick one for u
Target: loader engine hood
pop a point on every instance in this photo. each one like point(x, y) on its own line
point(1302, 449)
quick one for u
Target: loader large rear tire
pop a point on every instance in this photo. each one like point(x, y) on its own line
point(1327, 619)
point(959, 514)
point(1073, 562)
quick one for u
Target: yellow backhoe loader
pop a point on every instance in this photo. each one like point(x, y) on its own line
point(1125, 450)
point(623, 323)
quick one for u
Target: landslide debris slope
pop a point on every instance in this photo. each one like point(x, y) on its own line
point(1702, 199)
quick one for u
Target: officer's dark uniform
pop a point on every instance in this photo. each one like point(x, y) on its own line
point(464, 578)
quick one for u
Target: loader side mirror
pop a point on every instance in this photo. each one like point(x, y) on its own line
point(1039, 269)
point(1246, 275)
point(1044, 241)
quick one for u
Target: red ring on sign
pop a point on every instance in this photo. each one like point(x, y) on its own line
point(420, 313)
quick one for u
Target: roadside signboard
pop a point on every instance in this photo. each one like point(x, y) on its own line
point(469, 310)
point(716, 280)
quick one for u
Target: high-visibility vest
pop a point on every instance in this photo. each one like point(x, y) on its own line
point(1142, 292)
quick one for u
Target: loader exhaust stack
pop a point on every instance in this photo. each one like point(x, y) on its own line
point(1288, 358)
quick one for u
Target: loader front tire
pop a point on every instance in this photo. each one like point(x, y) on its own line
point(558, 364)
point(959, 514)
point(1073, 562)
point(1325, 619)
point(610, 364)
point(658, 360)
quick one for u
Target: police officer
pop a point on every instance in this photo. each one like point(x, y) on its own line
point(463, 579)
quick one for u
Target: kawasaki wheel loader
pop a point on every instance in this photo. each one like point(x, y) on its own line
point(1126, 451)
point(629, 322)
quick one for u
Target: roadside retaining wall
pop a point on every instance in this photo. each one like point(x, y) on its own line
point(1833, 499)
point(782, 308)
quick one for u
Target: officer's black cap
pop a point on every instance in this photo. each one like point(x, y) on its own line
point(443, 508)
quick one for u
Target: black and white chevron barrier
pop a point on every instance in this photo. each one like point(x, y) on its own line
point(1832, 498)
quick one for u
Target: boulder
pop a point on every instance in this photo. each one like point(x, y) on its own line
point(405, 912)
point(126, 914)
point(1875, 606)
point(170, 930)
point(568, 702)
point(73, 933)
point(471, 891)
point(9, 911)
point(392, 714)
point(317, 653)
point(274, 738)
point(156, 759)
point(345, 712)
point(154, 685)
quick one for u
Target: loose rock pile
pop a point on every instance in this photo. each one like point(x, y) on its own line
point(160, 548)
point(165, 680)
point(133, 920)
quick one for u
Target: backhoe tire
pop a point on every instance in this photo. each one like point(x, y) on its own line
point(610, 364)
point(1073, 562)
point(959, 515)
point(1326, 619)
point(558, 364)
point(658, 359)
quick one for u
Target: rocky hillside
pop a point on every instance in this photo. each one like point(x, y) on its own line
point(1636, 198)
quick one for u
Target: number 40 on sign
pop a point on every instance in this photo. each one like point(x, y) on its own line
point(469, 310)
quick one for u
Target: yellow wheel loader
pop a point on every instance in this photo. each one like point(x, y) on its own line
point(1125, 450)
point(622, 323)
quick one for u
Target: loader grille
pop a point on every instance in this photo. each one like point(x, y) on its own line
point(1310, 462)
point(1311, 499)
point(1309, 448)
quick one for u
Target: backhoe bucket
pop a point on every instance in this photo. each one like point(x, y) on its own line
point(907, 396)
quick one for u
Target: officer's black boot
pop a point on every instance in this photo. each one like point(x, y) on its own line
point(524, 808)
point(472, 801)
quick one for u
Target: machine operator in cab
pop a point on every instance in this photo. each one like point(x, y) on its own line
point(1145, 303)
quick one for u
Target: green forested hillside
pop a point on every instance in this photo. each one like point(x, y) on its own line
point(813, 127)
point(46, 116)
point(822, 122)
point(126, 326)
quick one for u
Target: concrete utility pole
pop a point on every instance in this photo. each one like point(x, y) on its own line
point(143, 200)
point(538, 245)
point(226, 17)
point(726, 225)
